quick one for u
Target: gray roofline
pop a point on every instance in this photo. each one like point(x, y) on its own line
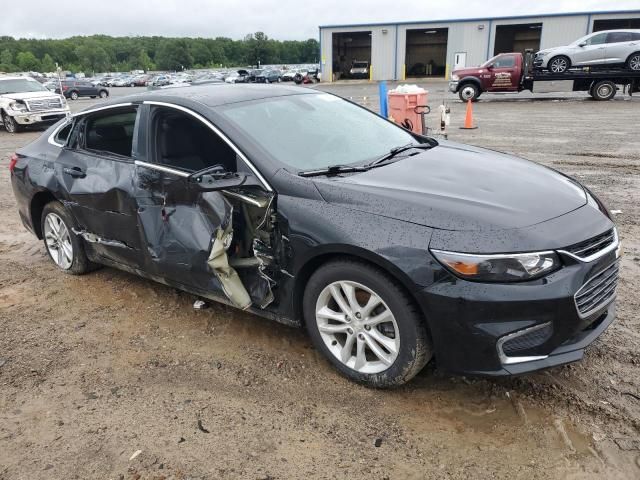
point(483, 19)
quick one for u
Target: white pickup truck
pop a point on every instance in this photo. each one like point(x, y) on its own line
point(24, 101)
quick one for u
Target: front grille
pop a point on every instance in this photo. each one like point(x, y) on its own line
point(598, 291)
point(532, 338)
point(42, 104)
point(593, 245)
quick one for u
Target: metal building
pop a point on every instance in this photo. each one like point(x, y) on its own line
point(399, 50)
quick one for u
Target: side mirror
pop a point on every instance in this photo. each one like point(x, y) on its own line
point(582, 45)
point(216, 179)
point(490, 67)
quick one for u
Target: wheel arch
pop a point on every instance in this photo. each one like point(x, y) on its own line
point(326, 254)
point(36, 207)
point(467, 80)
point(637, 52)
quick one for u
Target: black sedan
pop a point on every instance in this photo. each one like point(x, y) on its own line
point(390, 248)
point(75, 89)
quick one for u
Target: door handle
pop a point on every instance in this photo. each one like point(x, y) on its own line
point(74, 172)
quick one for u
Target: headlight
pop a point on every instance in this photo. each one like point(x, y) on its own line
point(18, 106)
point(499, 268)
point(455, 78)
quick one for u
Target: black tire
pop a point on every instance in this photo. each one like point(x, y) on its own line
point(80, 264)
point(469, 91)
point(93, 96)
point(633, 62)
point(103, 94)
point(74, 95)
point(415, 347)
point(559, 64)
point(603, 90)
point(10, 125)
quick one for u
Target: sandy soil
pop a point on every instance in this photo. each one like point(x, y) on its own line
point(109, 376)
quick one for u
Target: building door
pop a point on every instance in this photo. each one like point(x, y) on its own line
point(459, 60)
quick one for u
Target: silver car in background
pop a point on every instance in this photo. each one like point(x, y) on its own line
point(608, 48)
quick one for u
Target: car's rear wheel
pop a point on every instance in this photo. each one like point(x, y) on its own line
point(633, 63)
point(365, 324)
point(63, 246)
point(104, 94)
point(10, 125)
point(469, 91)
point(559, 64)
point(74, 95)
point(604, 90)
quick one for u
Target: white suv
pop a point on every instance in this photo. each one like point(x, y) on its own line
point(25, 101)
point(611, 47)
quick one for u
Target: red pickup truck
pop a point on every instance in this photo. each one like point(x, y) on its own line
point(514, 72)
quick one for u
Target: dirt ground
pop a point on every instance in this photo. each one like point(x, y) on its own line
point(109, 376)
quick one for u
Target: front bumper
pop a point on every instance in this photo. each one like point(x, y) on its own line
point(510, 329)
point(540, 62)
point(33, 118)
point(453, 86)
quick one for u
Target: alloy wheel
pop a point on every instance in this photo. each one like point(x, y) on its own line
point(58, 241)
point(357, 327)
point(634, 63)
point(558, 65)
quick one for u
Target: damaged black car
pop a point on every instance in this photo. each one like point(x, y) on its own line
point(390, 248)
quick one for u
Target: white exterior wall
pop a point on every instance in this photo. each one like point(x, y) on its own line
point(382, 50)
point(388, 50)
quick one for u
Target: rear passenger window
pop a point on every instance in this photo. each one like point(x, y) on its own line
point(111, 133)
point(617, 37)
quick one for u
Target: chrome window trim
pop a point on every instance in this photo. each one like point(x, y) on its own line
point(218, 132)
point(505, 359)
point(602, 305)
point(99, 109)
point(51, 138)
point(161, 168)
point(614, 246)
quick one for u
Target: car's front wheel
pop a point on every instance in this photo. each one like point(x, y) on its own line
point(365, 324)
point(104, 94)
point(74, 95)
point(559, 64)
point(63, 246)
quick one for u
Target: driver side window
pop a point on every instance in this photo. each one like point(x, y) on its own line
point(183, 142)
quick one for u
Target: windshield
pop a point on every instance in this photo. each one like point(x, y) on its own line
point(314, 131)
point(360, 65)
point(20, 85)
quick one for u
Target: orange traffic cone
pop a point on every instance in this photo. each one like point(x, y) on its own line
point(468, 119)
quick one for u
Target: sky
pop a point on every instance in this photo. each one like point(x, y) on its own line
point(279, 19)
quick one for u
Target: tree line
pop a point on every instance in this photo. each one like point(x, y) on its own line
point(102, 53)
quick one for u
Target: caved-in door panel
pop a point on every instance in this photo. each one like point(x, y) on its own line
point(177, 227)
point(98, 191)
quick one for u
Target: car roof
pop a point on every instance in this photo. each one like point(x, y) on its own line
point(213, 95)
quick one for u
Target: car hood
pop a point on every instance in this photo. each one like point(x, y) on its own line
point(29, 95)
point(458, 187)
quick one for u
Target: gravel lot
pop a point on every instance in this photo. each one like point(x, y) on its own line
point(95, 369)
